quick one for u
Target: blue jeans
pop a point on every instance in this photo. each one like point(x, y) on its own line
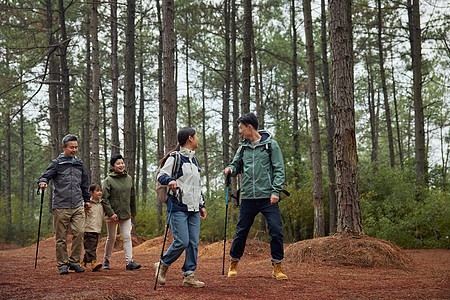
point(249, 210)
point(186, 232)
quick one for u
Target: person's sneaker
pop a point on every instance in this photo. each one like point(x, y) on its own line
point(77, 269)
point(63, 271)
point(132, 266)
point(106, 264)
point(191, 281)
point(95, 265)
point(162, 273)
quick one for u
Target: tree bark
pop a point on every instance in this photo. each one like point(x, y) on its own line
point(246, 56)
point(349, 212)
point(86, 140)
point(186, 46)
point(397, 121)
point(416, 54)
point(95, 169)
point(295, 94)
point(52, 89)
point(115, 142)
point(319, 218)
point(169, 99)
point(226, 93)
point(329, 121)
point(161, 108)
point(129, 126)
point(205, 147)
point(65, 109)
point(384, 87)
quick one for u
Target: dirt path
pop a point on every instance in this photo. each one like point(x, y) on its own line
point(428, 279)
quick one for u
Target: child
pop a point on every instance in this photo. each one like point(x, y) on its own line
point(92, 228)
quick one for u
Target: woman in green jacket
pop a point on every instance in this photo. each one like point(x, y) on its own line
point(119, 203)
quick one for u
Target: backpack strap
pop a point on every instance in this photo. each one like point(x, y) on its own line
point(176, 164)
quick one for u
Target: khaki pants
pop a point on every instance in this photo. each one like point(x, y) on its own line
point(65, 219)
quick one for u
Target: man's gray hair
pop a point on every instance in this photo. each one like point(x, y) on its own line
point(69, 138)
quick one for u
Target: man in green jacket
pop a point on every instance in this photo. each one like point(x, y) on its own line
point(260, 161)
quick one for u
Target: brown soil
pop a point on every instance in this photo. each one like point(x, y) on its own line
point(325, 268)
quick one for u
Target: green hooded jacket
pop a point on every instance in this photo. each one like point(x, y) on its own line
point(118, 195)
point(262, 176)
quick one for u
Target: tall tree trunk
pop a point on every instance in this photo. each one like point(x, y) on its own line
point(65, 109)
point(95, 169)
point(329, 121)
point(86, 140)
point(105, 137)
point(205, 147)
point(169, 99)
point(226, 93)
point(8, 168)
point(416, 54)
point(397, 121)
point(384, 86)
point(319, 218)
point(186, 46)
point(349, 212)
point(115, 142)
point(52, 88)
point(246, 56)
point(129, 105)
point(21, 162)
point(261, 111)
point(235, 87)
point(294, 79)
point(160, 109)
point(372, 115)
point(141, 120)
point(255, 78)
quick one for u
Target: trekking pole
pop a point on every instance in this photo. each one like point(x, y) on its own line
point(39, 227)
point(165, 237)
point(228, 181)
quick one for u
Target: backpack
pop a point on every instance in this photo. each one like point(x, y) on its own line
point(162, 190)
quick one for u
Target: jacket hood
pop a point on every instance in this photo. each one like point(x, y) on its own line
point(114, 174)
point(265, 137)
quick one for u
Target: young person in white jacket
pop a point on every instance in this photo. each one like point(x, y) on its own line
point(185, 218)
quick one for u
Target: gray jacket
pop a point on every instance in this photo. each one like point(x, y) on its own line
point(70, 182)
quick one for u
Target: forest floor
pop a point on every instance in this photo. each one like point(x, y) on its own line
point(427, 276)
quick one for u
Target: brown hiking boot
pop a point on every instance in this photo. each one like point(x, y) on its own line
point(278, 272)
point(162, 273)
point(232, 271)
point(191, 281)
point(95, 265)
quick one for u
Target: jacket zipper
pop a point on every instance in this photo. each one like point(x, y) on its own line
point(253, 166)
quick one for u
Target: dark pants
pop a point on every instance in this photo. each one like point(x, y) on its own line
point(249, 210)
point(90, 246)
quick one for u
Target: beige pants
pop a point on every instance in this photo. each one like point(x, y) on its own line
point(125, 231)
point(68, 220)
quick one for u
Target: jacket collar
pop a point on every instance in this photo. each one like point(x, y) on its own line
point(187, 152)
point(265, 138)
point(114, 174)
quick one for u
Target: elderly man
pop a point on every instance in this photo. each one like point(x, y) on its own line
point(70, 197)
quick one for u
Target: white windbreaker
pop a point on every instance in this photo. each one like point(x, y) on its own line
point(189, 181)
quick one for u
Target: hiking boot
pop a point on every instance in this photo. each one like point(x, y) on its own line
point(191, 281)
point(106, 264)
point(132, 266)
point(95, 265)
point(77, 269)
point(63, 271)
point(162, 273)
point(232, 271)
point(278, 272)
point(84, 265)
